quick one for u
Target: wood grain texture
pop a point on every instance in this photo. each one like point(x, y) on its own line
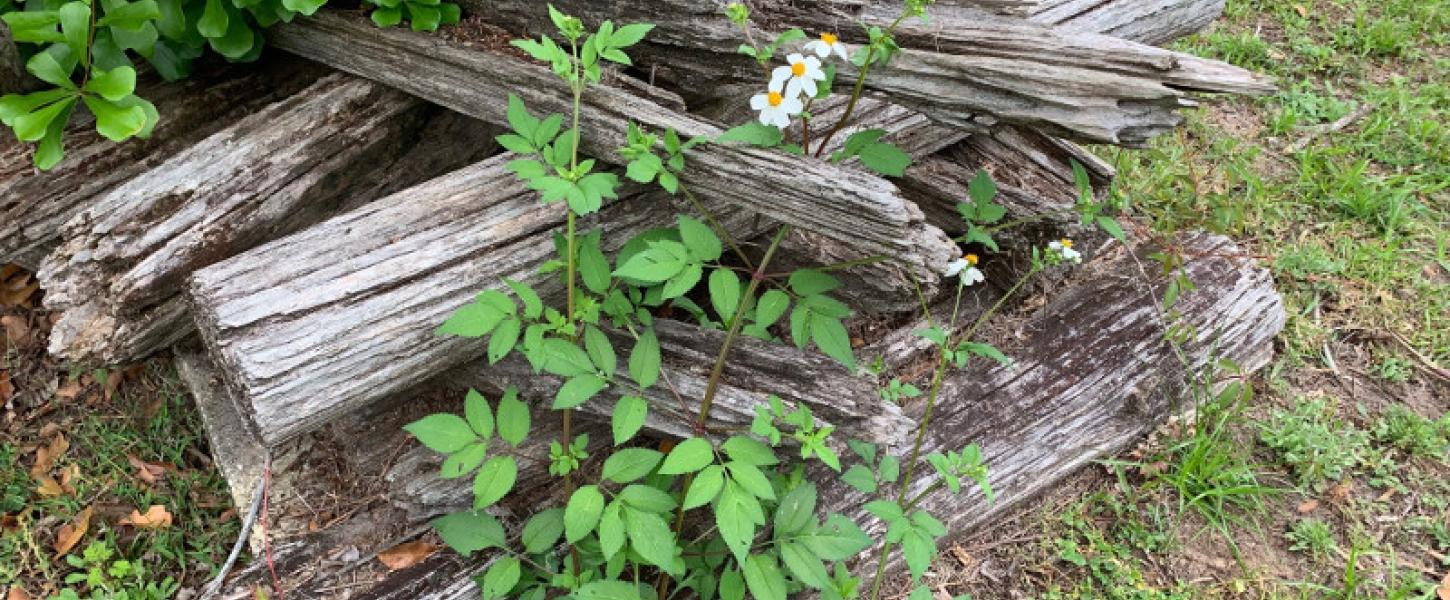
point(864, 211)
point(969, 68)
point(337, 144)
point(1091, 375)
point(343, 313)
point(34, 204)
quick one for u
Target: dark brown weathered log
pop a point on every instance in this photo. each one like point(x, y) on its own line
point(34, 204)
point(14, 79)
point(864, 211)
point(1092, 373)
point(337, 144)
point(968, 68)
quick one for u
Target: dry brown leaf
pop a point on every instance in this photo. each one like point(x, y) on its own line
point(49, 487)
point(147, 472)
point(71, 533)
point(156, 517)
point(7, 389)
point(406, 555)
point(16, 593)
point(17, 331)
point(46, 455)
point(1444, 591)
point(1308, 506)
point(69, 391)
point(1339, 493)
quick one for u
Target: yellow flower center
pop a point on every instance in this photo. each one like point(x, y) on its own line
point(829, 38)
point(775, 98)
point(971, 259)
point(798, 69)
point(1066, 243)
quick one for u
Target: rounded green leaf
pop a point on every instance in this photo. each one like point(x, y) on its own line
point(644, 360)
point(543, 530)
point(32, 127)
point(513, 418)
point(688, 456)
point(494, 481)
point(469, 532)
point(476, 411)
point(582, 513)
point(578, 390)
point(705, 487)
point(601, 351)
point(214, 20)
point(628, 417)
point(114, 122)
point(464, 461)
point(630, 464)
point(442, 432)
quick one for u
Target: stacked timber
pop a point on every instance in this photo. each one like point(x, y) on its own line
point(297, 232)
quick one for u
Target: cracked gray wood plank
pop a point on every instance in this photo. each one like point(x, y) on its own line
point(339, 143)
point(34, 204)
point(858, 209)
point(968, 68)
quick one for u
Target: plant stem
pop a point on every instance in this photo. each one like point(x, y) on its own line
point(566, 429)
point(855, 91)
point(714, 383)
point(735, 324)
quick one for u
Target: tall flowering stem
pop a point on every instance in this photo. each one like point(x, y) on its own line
point(858, 88)
point(943, 359)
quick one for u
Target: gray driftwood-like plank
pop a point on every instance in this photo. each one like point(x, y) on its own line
point(343, 313)
point(1092, 373)
point(967, 68)
point(34, 204)
point(339, 143)
point(1148, 21)
point(858, 209)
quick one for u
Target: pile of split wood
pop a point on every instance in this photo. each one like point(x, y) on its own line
point(295, 231)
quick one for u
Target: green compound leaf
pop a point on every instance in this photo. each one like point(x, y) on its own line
point(464, 461)
point(113, 85)
point(501, 577)
point(705, 486)
point(644, 360)
point(582, 513)
point(753, 133)
point(688, 456)
point(443, 433)
point(699, 239)
point(764, 578)
point(478, 414)
point(513, 418)
point(542, 530)
point(494, 481)
point(578, 390)
point(469, 532)
point(724, 293)
point(630, 464)
point(628, 417)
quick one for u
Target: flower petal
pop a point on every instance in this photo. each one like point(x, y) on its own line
point(778, 77)
point(795, 58)
point(793, 88)
point(840, 51)
point(813, 63)
point(759, 102)
point(792, 106)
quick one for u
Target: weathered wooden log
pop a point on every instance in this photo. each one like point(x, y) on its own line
point(969, 68)
point(34, 204)
point(400, 265)
point(855, 208)
point(337, 144)
point(757, 370)
point(1148, 21)
point(117, 275)
point(1092, 373)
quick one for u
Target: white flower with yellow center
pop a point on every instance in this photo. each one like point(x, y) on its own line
point(966, 268)
point(775, 108)
point(1063, 248)
point(827, 45)
point(800, 75)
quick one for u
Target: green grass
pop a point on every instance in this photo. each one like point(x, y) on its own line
point(152, 420)
point(1354, 225)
